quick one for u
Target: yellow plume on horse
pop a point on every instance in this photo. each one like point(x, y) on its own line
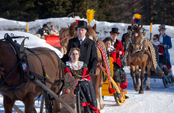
point(90, 15)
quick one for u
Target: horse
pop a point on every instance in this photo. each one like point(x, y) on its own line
point(28, 90)
point(98, 76)
point(138, 56)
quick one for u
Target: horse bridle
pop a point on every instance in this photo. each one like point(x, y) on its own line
point(140, 44)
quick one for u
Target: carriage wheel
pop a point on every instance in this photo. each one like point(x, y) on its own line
point(166, 84)
point(119, 100)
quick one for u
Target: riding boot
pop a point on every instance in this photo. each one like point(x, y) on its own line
point(166, 71)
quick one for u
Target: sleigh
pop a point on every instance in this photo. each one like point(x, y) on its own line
point(53, 40)
point(167, 82)
point(118, 96)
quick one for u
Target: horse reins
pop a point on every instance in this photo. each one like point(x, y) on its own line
point(60, 41)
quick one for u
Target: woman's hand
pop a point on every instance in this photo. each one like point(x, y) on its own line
point(165, 46)
point(120, 52)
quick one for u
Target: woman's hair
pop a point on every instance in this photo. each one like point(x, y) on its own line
point(72, 49)
point(107, 39)
point(157, 36)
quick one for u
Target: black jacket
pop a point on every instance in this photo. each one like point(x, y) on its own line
point(41, 32)
point(88, 52)
point(124, 37)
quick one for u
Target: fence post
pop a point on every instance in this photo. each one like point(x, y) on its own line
point(27, 28)
point(150, 31)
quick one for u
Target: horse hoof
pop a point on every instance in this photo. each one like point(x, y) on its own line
point(147, 88)
point(141, 92)
point(101, 106)
point(136, 88)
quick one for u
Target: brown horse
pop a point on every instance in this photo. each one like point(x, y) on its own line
point(138, 56)
point(27, 91)
point(99, 74)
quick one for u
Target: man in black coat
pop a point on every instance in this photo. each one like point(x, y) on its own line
point(87, 48)
point(129, 29)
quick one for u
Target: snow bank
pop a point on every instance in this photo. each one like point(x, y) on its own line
point(33, 41)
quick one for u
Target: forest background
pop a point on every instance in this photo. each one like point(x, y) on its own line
point(152, 11)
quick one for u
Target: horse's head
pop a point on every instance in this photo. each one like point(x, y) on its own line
point(91, 32)
point(136, 37)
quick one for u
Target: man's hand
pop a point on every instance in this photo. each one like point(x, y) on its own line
point(120, 52)
point(165, 46)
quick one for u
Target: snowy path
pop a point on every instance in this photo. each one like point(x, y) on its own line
point(157, 100)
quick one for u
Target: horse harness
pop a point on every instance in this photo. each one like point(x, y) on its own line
point(137, 43)
point(25, 73)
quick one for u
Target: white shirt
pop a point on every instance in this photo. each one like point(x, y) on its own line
point(81, 40)
point(161, 39)
point(157, 44)
point(113, 42)
point(75, 65)
point(111, 48)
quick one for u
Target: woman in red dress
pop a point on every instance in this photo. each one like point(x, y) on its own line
point(80, 72)
point(119, 74)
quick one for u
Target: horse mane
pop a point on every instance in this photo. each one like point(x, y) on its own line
point(72, 28)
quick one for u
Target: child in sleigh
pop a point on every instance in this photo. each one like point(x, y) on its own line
point(119, 74)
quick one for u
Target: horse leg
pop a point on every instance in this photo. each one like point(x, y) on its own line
point(56, 105)
point(148, 77)
point(8, 104)
point(133, 77)
point(142, 78)
point(138, 77)
point(29, 103)
point(100, 98)
point(97, 89)
point(100, 90)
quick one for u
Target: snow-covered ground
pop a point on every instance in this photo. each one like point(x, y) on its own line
point(157, 100)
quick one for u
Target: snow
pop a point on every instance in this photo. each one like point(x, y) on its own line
point(32, 42)
point(157, 100)
point(103, 27)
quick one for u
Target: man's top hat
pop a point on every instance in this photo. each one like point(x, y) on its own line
point(45, 25)
point(161, 27)
point(129, 28)
point(114, 30)
point(82, 24)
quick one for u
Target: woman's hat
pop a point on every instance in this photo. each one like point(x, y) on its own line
point(114, 30)
point(45, 25)
point(82, 24)
point(161, 27)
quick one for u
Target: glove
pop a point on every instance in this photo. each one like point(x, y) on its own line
point(91, 72)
